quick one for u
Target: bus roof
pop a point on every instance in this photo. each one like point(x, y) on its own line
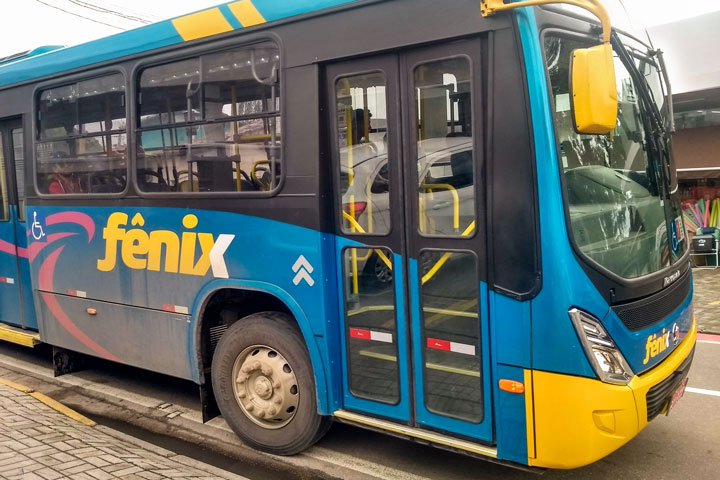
point(224, 18)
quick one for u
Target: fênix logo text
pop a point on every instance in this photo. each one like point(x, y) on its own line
point(163, 250)
point(658, 343)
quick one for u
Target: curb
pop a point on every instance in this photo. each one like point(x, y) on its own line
point(54, 404)
point(708, 338)
point(162, 452)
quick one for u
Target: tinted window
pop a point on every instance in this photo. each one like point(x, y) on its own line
point(451, 334)
point(211, 123)
point(81, 140)
point(19, 158)
point(619, 217)
point(446, 195)
point(3, 185)
point(361, 116)
point(371, 332)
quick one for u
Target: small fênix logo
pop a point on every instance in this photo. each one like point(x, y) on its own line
point(141, 250)
point(658, 343)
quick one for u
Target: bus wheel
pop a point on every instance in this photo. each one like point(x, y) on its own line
point(264, 385)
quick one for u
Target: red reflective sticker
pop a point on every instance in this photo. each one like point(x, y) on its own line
point(360, 334)
point(435, 344)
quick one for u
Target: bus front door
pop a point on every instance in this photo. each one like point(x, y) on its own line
point(16, 303)
point(410, 239)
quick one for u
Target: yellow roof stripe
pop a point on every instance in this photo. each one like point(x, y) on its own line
point(246, 13)
point(202, 24)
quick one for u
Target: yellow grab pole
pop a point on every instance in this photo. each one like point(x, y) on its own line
point(456, 200)
point(438, 265)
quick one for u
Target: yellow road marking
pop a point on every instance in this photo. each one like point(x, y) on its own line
point(67, 411)
point(714, 304)
point(54, 404)
point(16, 386)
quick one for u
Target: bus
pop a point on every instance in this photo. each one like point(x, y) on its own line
point(453, 224)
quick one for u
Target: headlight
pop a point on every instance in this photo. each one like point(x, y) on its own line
point(606, 359)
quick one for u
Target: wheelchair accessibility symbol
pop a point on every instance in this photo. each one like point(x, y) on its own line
point(36, 228)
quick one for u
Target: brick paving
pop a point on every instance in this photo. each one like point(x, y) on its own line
point(39, 443)
point(706, 299)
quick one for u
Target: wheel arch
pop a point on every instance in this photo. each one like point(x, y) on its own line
point(197, 331)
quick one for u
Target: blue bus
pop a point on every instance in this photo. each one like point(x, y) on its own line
point(457, 226)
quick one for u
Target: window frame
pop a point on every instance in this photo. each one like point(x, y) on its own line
point(186, 53)
point(65, 81)
point(5, 194)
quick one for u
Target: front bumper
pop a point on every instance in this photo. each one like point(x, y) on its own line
point(579, 420)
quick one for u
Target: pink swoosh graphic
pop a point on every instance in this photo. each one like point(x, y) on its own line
point(36, 247)
point(73, 217)
point(8, 248)
point(45, 285)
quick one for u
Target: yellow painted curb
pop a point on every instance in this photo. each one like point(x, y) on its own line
point(54, 404)
point(16, 386)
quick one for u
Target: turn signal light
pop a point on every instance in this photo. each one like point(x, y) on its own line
point(511, 386)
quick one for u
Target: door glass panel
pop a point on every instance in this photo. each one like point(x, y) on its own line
point(443, 100)
point(3, 184)
point(371, 325)
point(19, 157)
point(362, 143)
point(451, 334)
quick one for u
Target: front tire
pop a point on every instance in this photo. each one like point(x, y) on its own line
point(264, 385)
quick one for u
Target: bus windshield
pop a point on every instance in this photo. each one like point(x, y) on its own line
point(621, 214)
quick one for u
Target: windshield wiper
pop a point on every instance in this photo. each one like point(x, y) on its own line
point(641, 85)
point(657, 133)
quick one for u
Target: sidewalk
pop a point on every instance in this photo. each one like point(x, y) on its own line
point(38, 442)
point(706, 300)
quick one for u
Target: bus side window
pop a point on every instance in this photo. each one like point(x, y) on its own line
point(211, 123)
point(82, 140)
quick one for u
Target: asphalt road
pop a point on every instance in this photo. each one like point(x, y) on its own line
point(684, 445)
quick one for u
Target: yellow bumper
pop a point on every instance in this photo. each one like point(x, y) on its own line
point(577, 421)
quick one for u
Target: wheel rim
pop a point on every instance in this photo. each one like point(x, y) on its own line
point(265, 387)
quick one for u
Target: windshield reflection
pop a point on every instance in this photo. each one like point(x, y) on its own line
point(620, 216)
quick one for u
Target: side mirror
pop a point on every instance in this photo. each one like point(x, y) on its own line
point(594, 93)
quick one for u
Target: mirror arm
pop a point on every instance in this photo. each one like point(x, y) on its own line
point(490, 7)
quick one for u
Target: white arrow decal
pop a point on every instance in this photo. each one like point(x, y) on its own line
point(303, 268)
point(303, 275)
point(302, 262)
